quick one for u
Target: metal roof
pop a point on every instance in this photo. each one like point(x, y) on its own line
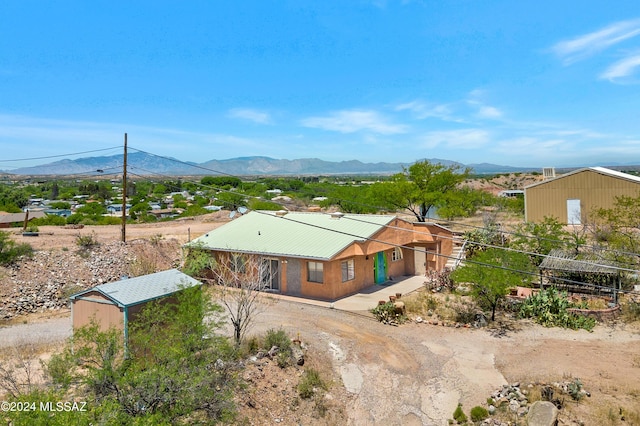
point(601, 170)
point(294, 234)
point(19, 217)
point(133, 291)
point(559, 260)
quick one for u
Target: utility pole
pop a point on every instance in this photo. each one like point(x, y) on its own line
point(124, 193)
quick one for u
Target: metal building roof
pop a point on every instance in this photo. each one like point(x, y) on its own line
point(601, 170)
point(133, 291)
point(294, 234)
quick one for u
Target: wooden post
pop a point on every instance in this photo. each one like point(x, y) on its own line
point(124, 193)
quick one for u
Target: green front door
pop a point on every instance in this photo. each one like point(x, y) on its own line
point(380, 267)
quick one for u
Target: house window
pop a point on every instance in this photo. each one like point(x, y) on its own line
point(238, 263)
point(348, 270)
point(396, 254)
point(314, 274)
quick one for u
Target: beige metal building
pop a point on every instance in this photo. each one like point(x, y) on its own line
point(571, 198)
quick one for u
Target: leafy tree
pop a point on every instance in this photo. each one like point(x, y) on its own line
point(352, 199)
point(231, 200)
point(174, 369)
point(622, 224)
point(221, 181)
point(422, 187)
point(60, 205)
point(463, 203)
point(492, 273)
point(540, 238)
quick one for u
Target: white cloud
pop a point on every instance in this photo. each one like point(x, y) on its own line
point(352, 121)
point(623, 68)
point(461, 138)
point(486, 111)
point(588, 44)
point(422, 110)
point(256, 116)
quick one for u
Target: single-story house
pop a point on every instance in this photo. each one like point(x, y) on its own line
point(572, 197)
point(7, 220)
point(116, 304)
point(328, 256)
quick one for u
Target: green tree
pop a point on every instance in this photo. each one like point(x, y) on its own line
point(541, 237)
point(621, 224)
point(422, 187)
point(492, 273)
point(174, 368)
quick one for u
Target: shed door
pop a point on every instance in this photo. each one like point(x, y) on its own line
point(574, 214)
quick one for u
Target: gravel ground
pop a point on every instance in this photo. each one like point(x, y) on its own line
point(414, 374)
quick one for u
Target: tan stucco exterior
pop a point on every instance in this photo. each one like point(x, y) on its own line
point(429, 243)
point(587, 189)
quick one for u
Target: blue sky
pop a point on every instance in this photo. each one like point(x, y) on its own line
point(522, 83)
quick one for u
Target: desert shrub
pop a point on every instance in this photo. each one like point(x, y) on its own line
point(420, 303)
point(388, 314)
point(10, 251)
point(32, 228)
point(50, 220)
point(550, 308)
point(575, 390)
point(478, 414)
point(465, 312)
point(155, 239)
point(630, 310)
point(277, 338)
point(310, 383)
point(459, 416)
point(86, 241)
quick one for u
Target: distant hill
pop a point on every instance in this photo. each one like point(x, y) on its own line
point(141, 163)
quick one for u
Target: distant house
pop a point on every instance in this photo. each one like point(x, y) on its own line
point(8, 220)
point(58, 212)
point(572, 197)
point(328, 256)
point(116, 304)
point(116, 209)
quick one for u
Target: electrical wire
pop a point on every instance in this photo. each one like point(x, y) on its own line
point(60, 155)
point(369, 239)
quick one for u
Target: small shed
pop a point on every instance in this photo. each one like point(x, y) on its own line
point(117, 303)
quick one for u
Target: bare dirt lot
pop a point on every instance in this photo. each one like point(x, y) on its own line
point(414, 374)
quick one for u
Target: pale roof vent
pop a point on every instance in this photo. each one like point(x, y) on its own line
point(548, 172)
point(337, 215)
point(281, 213)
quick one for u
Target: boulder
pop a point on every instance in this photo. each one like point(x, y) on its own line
point(542, 413)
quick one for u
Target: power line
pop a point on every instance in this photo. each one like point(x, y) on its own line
point(60, 155)
point(471, 241)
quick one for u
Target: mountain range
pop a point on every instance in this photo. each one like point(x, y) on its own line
point(140, 163)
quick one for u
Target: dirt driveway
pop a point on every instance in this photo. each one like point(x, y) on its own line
point(414, 374)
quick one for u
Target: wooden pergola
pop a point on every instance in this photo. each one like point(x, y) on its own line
point(560, 264)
